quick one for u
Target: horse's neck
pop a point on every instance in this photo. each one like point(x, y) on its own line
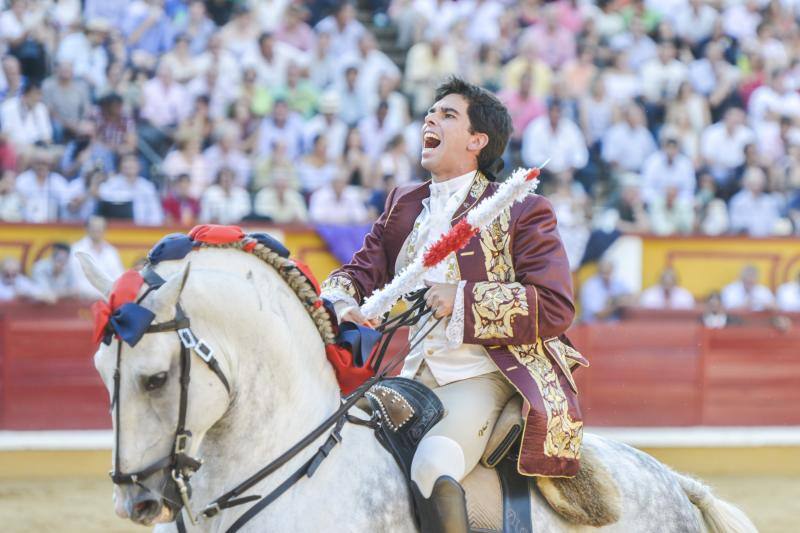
point(280, 397)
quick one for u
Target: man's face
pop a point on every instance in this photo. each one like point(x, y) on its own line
point(446, 137)
point(60, 258)
point(129, 167)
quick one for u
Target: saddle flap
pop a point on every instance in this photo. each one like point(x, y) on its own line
point(406, 411)
point(505, 434)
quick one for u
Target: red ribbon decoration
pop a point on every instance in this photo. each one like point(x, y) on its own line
point(216, 234)
point(302, 267)
point(124, 290)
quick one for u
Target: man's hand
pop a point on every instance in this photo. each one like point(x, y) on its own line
point(353, 314)
point(440, 298)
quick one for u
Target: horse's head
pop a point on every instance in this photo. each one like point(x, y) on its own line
point(144, 381)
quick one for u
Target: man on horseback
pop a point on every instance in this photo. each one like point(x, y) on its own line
point(507, 296)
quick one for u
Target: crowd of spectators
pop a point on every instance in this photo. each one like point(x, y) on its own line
point(606, 297)
point(661, 116)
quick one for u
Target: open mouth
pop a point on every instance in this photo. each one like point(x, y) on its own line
point(430, 140)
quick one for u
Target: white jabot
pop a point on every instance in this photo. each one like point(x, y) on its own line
point(447, 357)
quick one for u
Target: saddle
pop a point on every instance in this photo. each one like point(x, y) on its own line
point(403, 411)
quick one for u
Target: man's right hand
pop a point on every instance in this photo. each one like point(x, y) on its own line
point(354, 314)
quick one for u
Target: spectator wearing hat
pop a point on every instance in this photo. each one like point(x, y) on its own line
point(25, 118)
point(104, 255)
point(224, 202)
point(280, 202)
point(41, 190)
point(53, 274)
point(129, 186)
point(668, 168)
point(753, 211)
point(327, 122)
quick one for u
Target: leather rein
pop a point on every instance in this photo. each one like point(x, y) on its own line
point(182, 466)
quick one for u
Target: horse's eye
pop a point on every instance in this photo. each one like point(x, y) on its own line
point(156, 381)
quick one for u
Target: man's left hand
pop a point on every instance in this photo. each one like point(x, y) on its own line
point(440, 298)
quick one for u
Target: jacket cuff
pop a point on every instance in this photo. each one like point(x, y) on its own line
point(454, 333)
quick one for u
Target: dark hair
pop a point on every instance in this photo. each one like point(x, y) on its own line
point(29, 87)
point(486, 115)
point(64, 247)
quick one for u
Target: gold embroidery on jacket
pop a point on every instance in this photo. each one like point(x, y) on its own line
point(494, 307)
point(564, 435)
point(496, 246)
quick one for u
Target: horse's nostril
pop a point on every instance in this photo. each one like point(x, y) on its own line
point(145, 510)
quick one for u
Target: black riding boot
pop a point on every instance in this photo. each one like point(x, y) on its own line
point(445, 511)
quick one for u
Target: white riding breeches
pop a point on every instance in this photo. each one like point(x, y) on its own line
point(455, 444)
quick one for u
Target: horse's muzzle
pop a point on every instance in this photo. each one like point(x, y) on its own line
point(141, 506)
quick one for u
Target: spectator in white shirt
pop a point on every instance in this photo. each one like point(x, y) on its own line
point(271, 60)
point(14, 284)
point(694, 21)
point(327, 122)
point(104, 255)
point(668, 168)
point(280, 203)
point(343, 28)
point(555, 138)
point(773, 99)
point(789, 296)
point(662, 75)
point(338, 203)
point(628, 143)
point(129, 186)
point(54, 275)
point(670, 213)
point(25, 119)
point(165, 102)
point(745, 294)
point(282, 125)
point(84, 48)
point(42, 192)
point(225, 153)
point(752, 210)
point(722, 144)
point(667, 294)
point(373, 64)
point(603, 295)
point(740, 20)
point(376, 131)
point(224, 202)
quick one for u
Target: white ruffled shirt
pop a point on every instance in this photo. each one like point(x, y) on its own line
point(442, 349)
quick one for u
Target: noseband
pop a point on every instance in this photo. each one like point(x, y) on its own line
point(178, 463)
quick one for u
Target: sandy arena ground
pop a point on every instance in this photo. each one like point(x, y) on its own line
point(83, 505)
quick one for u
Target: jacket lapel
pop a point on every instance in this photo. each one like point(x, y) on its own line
point(400, 220)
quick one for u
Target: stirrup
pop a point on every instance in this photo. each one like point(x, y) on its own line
point(445, 511)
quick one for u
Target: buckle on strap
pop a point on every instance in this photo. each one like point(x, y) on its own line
point(211, 510)
point(181, 442)
point(188, 339)
point(203, 350)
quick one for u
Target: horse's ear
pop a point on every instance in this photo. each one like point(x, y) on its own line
point(167, 296)
point(96, 277)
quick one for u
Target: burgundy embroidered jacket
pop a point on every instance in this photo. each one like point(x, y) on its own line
point(517, 303)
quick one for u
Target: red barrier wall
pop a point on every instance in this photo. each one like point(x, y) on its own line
point(645, 372)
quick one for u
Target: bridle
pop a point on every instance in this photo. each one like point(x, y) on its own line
point(180, 466)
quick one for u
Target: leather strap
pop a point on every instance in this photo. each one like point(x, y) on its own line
point(517, 517)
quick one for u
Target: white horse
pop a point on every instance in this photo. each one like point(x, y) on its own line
point(282, 386)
